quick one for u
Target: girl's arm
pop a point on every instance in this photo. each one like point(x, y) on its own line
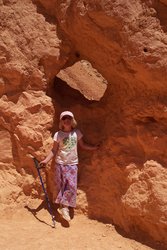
point(50, 155)
point(87, 146)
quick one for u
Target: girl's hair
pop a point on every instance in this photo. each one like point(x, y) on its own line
point(73, 125)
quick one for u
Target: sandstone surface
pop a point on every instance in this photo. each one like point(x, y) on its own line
point(126, 42)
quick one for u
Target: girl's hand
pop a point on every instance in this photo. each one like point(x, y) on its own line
point(42, 164)
point(87, 146)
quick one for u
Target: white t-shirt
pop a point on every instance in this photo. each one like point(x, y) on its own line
point(67, 150)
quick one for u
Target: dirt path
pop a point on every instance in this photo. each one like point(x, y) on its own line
point(25, 231)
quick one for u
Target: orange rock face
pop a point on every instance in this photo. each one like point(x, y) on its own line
point(125, 182)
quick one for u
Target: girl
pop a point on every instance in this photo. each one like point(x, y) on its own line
point(66, 156)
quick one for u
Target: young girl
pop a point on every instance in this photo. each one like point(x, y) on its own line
point(66, 156)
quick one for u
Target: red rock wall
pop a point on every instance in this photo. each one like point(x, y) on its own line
point(125, 182)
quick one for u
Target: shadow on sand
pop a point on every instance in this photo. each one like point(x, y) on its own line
point(57, 217)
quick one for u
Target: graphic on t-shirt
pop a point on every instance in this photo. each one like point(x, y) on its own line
point(69, 142)
point(67, 150)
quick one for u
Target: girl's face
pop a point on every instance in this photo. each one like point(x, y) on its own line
point(67, 121)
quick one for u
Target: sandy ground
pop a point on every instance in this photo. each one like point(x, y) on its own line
point(31, 229)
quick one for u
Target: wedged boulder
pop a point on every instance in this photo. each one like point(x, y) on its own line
point(126, 42)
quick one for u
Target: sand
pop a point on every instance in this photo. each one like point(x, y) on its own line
point(32, 229)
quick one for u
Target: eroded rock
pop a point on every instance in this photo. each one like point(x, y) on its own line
point(126, 41)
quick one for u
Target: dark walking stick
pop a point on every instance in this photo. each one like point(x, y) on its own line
point(43, 187)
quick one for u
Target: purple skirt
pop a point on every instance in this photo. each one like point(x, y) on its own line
point(66, 180)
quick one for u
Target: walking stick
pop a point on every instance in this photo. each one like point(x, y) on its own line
point(43, 187)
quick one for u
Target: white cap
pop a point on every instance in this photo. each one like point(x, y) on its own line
point(66, 113)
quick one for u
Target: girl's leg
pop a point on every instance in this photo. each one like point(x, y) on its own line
point(64, 211)
point(59, 183)
point(68, 191)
